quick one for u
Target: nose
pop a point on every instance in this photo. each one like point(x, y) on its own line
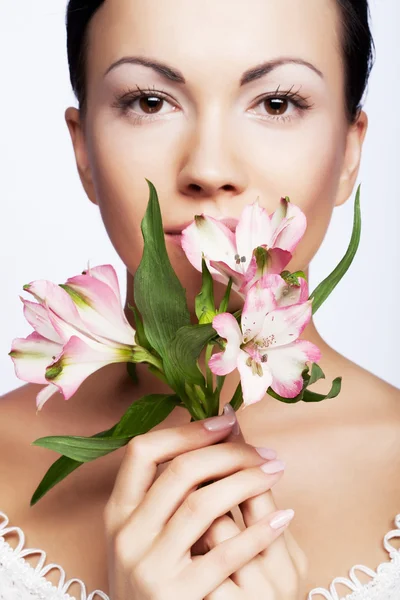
point(212, 167)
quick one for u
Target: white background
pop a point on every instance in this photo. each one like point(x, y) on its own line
point(49, 229)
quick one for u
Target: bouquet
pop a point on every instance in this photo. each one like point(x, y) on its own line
point(80, 326)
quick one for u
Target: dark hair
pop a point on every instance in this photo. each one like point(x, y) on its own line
point(357, 42)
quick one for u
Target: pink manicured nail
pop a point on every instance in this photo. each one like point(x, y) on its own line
point(283, 517)
point(228, 419)
point(266, 452)
point(273, 467)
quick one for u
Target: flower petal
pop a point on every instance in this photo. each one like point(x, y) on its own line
point(100, 309)
point(259, 302)
point(253, 230)
point(291, 229)
point(284, 325)
point(32, 355)
point(37, 316)
point(224, 273)
point(209, 237)
point(79, 360)
point(285, 294)
point(227, 327)
point(108, 275)
point(254, 386)
point(287, 364)
point(45, 393)
point(276, 261)
point(58, 301)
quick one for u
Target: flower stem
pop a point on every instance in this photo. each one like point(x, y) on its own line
point(209, 377)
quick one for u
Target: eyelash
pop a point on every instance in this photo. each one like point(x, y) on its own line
point(123, 101)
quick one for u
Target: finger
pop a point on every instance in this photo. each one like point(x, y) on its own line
point(200, 509)
point(250, 577)
point(225, 559)
point(227, 590)
point(145, 452)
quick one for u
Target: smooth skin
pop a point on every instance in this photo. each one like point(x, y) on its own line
point(213, 146)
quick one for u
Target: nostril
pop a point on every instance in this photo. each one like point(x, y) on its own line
point(228, 188)
point(195, 187)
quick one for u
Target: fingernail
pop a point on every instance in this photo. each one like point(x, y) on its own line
point(266, 452)
point(224, 421)
point(283, 517)
point(273, 467)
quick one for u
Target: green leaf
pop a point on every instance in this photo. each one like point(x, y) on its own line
point(225, 300)
point(335, 391)
point(205, 304)
point(185, 349)
point(325, 288)
point(132, 372)
point(144, 414)
point(316, 374)
point(82, 449)
point(237, 398)
point(159, 295)
point(140, 334)
point(59, 470)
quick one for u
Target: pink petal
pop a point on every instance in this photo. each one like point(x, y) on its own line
point(101, 310)
point(227, 327)
point(37, 316)
point(79, 360)
point(32, 355)
point(284, 325)
point(277, 260)
point(291, 230)
point(286, 365)
point(286, 295)
point(108, 275)
point(254, 387)
point(253, 230)
point(224, 272)
point(259, 302)
point(58, 301)
point(279, 215)
point(209, 237)
point(45, 393)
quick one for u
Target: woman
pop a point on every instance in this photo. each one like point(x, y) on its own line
point(216, 103)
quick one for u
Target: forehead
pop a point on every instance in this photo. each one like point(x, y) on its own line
point(221, 36)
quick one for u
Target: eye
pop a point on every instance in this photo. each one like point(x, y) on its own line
point(143, 104)
point(280, 106)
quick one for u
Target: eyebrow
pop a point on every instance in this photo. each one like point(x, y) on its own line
point(248, 76)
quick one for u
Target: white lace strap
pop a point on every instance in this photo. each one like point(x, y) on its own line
point(41, 569)
point(353, 583)
point(394, 533)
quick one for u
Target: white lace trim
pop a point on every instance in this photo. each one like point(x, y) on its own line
point(34, 578)
point(386, 576)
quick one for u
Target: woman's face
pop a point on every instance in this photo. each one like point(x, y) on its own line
point(246, 101)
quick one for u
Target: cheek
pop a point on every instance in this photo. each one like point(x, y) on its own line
point(306, 166)
point(121, 159)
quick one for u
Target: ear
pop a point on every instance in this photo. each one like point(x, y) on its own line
point(75, 127)
point(351, 163)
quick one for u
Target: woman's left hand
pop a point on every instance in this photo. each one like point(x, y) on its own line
point(278, 572)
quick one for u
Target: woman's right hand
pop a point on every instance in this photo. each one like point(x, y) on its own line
point(152, 524)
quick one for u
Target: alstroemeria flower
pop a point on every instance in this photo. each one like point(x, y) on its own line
point(229, 254)
point(79, 328)
point(266, 349)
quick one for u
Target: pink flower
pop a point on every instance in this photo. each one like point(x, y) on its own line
point(230, 254)
point(79, 328)
point(266, 349)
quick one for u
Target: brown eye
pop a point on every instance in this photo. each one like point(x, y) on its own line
point(276, 106)
point(150, 104)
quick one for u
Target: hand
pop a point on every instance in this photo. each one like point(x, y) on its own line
point(276, 573)
point(151, 525)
